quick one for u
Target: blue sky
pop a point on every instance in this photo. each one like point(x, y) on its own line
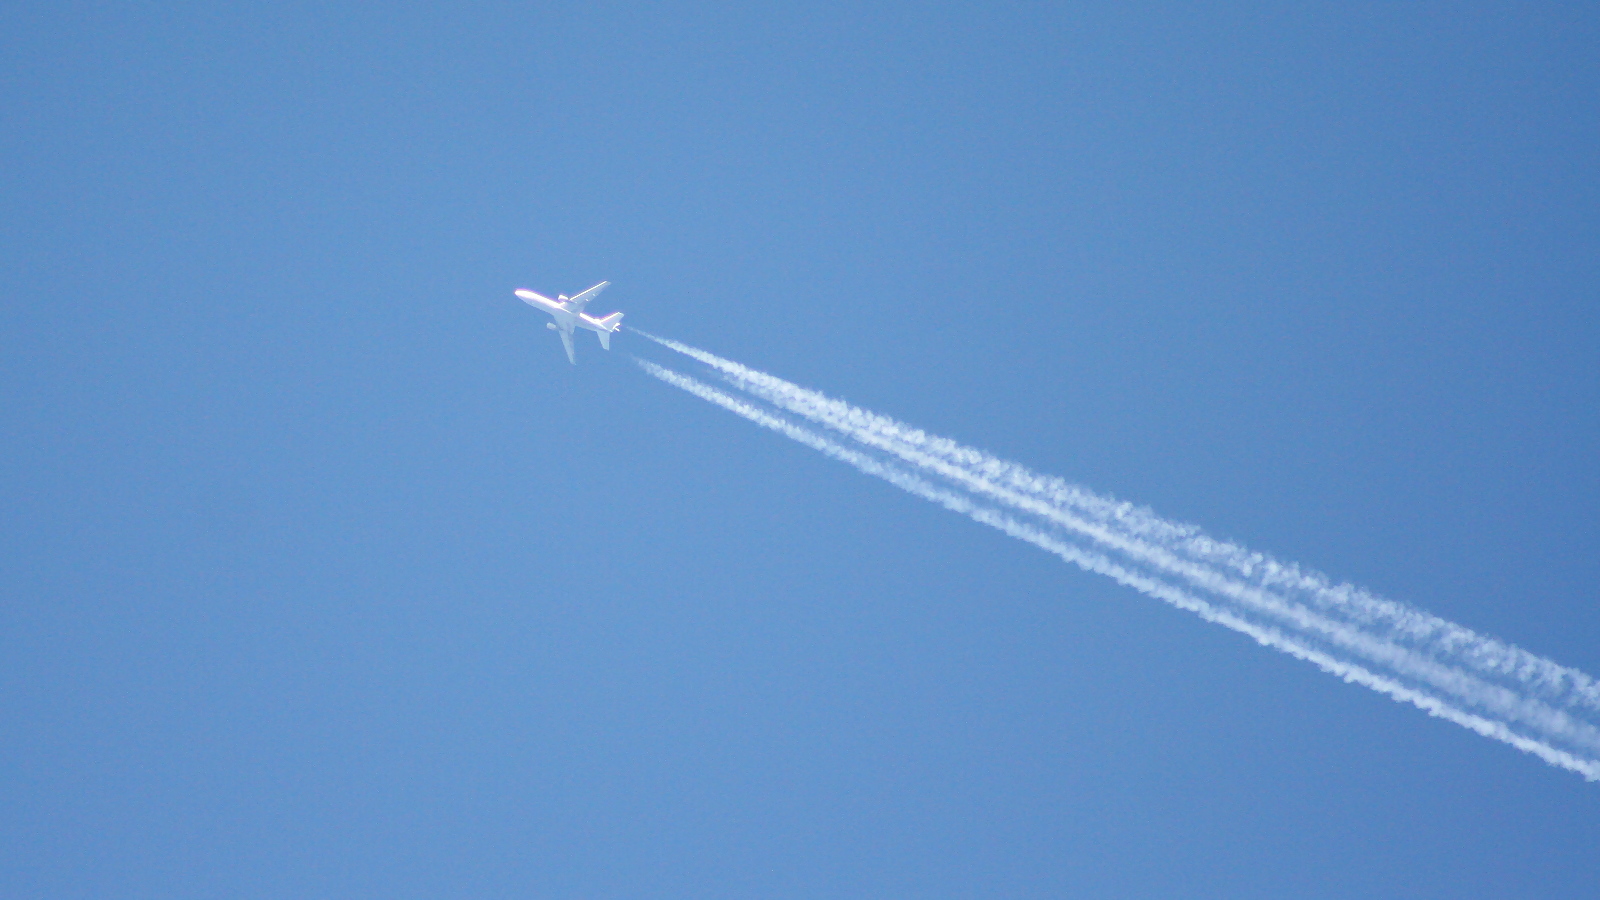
point(325, 575)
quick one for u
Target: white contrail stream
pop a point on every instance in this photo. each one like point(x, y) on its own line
point(1495, 690)
point(1564, 685)
point(1347, 625)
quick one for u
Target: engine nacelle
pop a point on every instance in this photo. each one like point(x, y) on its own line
point(550, 325)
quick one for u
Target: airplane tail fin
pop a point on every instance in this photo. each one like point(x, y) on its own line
point(610, 325)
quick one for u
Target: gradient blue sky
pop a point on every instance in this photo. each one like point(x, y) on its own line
point(324, 575)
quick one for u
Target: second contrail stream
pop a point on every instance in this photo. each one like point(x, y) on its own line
point(1491, 688)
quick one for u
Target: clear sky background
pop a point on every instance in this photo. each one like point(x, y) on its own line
point(325, 575)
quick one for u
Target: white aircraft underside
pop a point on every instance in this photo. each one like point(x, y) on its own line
point(569, 316)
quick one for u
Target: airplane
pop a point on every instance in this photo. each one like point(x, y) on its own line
point(568, 313)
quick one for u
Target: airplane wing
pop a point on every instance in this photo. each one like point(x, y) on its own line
point(576, 304)
point(566, 341)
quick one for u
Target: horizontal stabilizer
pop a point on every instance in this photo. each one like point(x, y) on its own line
point(607, 325)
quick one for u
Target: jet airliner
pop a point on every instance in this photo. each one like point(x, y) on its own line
point(569, 315)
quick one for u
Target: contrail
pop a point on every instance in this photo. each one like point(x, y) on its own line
point(1406, 639)
point(1492, 688)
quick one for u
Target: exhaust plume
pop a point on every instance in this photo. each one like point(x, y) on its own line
point(1495, 689)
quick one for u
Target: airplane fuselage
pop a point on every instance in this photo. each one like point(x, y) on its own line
point(565, 320)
